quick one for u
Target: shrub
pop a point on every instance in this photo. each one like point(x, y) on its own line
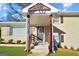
point(1, 39)
point(77, 49)
point(24, 42)
point(65, 47)
point(72, 48)
point(10, 41)
point(59, 46)
point(18, 41)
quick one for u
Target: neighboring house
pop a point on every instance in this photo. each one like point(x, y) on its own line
point(13, 30)
point(64, 25)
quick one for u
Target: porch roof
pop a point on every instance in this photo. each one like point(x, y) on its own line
point(70, 13)
point(53, 9)
point(12, 24)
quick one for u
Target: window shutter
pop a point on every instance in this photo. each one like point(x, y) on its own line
point(10, 31)
point(62, 38)
point(61, 19)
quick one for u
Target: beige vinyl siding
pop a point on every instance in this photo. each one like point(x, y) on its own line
point(70, 26)
point(5, 34)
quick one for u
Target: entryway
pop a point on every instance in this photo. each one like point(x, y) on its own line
point(40, 33)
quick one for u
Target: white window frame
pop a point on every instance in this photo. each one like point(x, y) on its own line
point(19, 34)
point(58, 20)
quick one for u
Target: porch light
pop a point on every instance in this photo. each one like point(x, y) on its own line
point(28, 16)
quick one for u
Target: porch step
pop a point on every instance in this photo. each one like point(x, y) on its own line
point(40, 50)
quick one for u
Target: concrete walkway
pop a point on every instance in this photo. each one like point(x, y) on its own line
point(40, 50)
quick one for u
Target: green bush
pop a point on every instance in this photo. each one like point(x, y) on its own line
point(18, 41)
point(65, 47)
point(24, 43)
point(10, 41)
point(72, 48)
point(59, 46)
point(1, 39)
point(77, 49)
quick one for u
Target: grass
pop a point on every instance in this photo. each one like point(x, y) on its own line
point(59, 53)
point(19, 51)
point(13, 51)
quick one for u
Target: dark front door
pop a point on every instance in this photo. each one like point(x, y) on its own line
point(40, 33)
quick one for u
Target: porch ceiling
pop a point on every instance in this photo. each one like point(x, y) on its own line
point(39, 20)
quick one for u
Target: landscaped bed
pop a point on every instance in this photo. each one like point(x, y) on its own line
point(60, 53)
point(12, 51)
point(65, 52)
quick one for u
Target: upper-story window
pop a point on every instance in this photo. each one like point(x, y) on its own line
point(58, 19)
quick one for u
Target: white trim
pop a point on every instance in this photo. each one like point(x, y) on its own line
point(44, 35)
point(58, 21)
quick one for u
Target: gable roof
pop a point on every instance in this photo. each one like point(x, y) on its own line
point(46, 5)
point(39, 6)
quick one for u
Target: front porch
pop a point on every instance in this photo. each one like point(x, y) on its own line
point(39, 24)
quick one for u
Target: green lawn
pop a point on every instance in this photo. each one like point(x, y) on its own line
point(19, 51)
point(59, 53)
point(13, 51)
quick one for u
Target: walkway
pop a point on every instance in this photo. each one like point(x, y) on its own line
point(40, 50)
point(13, 45)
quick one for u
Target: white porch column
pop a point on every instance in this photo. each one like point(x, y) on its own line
point(52, 34)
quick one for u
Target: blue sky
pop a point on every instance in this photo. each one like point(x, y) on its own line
point(66, 6)
point(6, 12)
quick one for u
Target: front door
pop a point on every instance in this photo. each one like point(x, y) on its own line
point(40, 33)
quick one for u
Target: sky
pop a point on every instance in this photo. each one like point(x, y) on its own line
point(66, 6)
point(7, 13)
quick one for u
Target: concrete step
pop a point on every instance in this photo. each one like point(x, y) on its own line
point(40, 50)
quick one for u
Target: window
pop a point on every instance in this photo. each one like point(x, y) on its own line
point(11, 31)
point(19, 31)
point(58, 19)
point(61, 19)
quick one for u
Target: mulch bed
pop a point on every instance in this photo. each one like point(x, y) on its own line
point(67, 50)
